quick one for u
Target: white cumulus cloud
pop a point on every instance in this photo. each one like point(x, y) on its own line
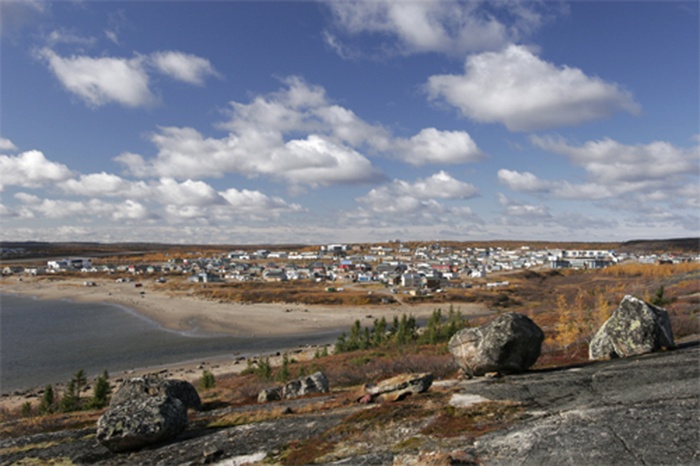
point(419, 198)
point(431, 146)
point(443, 26)
point(102, 80)
point(609, 161)
point(298, 135)
point(6, 144)
point(126, 81)
point(184, 67)
point(30, 169)
point(525, 93)
point(657, 172)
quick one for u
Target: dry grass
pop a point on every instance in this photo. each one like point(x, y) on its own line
point(13, 425)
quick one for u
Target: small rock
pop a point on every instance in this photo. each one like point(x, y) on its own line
point(270, 394)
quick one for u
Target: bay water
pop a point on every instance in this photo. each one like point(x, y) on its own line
point(46, 342)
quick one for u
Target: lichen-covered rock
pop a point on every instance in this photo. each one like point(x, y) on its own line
point(270, 394)
point(635, 327)
point(508, 344)
point(399, 387)
point(142, 421)
point(139, 387)
point(314, 383)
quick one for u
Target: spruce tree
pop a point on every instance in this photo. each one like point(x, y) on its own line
point(48, 401)
point(69, 400)
point(100, 391)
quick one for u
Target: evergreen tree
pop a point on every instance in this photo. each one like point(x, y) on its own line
point(80, 382)
point(100, 391)
point(283, 374)
point(48, 401)
point(378, 336)
point(341, 344)
point(264, 369)
point(365, 340)
point(69, 400)
point(433, 330)
point(394, 327)
point(355, 337)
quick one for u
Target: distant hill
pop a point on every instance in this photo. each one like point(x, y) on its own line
point(685, 245)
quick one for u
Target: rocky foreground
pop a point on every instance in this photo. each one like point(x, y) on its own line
point(638, 410)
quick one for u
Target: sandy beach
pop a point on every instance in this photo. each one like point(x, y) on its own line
point(189, 314)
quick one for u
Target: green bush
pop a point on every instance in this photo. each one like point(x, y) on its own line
point(207, 380)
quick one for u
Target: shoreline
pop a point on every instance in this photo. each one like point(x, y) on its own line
point(195, 317)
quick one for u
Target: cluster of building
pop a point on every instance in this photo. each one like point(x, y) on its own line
point(430, 266)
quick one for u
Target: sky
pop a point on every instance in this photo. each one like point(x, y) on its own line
point(251, 122)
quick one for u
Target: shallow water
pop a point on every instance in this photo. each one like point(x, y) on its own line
point(44, 342)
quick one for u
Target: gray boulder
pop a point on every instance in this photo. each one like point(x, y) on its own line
point(140, 387)
point(508, 344)
point(635, 327)
point(314, 383)
point(142, 421)
point(270, 394)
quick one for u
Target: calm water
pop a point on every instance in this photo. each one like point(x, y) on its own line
point(45, 342)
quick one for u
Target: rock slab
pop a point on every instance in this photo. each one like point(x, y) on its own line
point(635, 327)
point(139, 422)
point(399, 387)
point(510, 343)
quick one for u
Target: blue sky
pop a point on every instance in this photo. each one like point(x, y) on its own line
point(353, 121)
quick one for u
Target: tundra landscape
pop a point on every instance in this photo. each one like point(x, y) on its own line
point(392, 330)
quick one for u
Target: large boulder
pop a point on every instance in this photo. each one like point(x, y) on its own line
point(635, 327)
point(139, 387)
point(141, 421)
point(508, 344)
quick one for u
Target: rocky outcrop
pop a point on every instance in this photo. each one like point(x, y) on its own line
point(397, 388)
point(139, 387)
point(314, 383)
point(635, 327)
point(143, 421)
point(508, 344)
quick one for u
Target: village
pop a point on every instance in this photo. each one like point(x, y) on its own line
point(421, 268)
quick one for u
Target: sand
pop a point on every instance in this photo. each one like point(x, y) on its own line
point(187, 313)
